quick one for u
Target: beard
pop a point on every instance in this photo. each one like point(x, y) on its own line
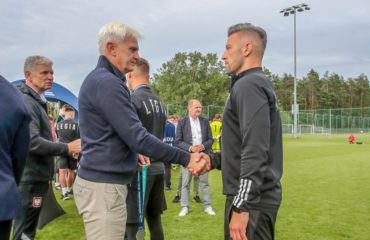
point(235, 65)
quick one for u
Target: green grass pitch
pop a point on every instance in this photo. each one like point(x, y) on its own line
point(326, 192)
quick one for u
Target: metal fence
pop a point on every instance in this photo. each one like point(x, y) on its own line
point(328, 121)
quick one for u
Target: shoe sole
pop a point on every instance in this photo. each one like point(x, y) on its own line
point(65, 199)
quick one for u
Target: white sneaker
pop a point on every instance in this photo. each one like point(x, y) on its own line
point(183, 212)
point(209, 211)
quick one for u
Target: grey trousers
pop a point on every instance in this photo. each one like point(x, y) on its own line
point(103, 208)
point(185, 190)
point(195, 185)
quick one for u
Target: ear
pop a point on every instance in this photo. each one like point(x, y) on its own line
point(111, 48)
point(28, 76)
point(247, 49)
point(148, 77)
point(129, 75)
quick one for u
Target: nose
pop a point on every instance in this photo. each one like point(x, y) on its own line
point(224, 57)
point(136, 55)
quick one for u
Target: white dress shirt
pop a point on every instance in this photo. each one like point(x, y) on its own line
point(196, 132)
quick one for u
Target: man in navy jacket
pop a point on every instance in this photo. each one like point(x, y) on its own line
point(14, 143)
point(112, 135)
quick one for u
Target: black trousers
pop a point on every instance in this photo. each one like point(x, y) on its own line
point(5, 228)
point(32, 200)
point(261, 225)
point(167, 175)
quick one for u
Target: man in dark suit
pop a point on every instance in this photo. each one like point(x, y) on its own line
point(194, 135)
point(14, 144)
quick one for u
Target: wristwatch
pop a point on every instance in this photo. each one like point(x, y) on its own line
point(237, 210)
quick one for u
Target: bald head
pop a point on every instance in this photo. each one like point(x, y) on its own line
point(191, 102)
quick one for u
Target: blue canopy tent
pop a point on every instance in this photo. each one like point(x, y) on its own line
point(59, 93)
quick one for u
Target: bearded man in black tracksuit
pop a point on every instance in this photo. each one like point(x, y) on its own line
point(152, 114)
point(252, 157)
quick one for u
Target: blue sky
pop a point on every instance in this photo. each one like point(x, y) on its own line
point(333, 36)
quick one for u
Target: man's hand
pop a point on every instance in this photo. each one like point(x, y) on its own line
point(194, 149)
point(143, 161)
point(200, 147)
point(208, 162)
point(238, 226)
point(197, 166)
point(75, 155)
point(75, 146)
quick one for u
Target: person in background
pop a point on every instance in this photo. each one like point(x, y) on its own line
point(40, 158)
point(194, 135)
point(351, 139)
point(68, 131)
point(216, 126)
point(14, 144)
point(169, 138)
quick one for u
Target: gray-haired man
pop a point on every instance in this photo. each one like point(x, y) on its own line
point(40, 158)
point(112, 135)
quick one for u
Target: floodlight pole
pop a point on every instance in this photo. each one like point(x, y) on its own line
point(286, 11)
point(295, 78)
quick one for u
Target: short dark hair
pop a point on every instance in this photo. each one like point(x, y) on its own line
point(248, 27)
point(66, 106)
point(69, 109)
point(143, 65)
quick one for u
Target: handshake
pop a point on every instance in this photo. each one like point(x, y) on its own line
point(199, 163)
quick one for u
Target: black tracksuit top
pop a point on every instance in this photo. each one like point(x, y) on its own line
point(252, 149)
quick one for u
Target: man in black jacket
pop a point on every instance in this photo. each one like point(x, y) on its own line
point(14, 143)
point(67, 130)
point(152, 114)
point(252, 154)
point(194, 134)
point(40, 159)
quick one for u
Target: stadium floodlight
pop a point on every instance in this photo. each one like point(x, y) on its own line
point(286, 11)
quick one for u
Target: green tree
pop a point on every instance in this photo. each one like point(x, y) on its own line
point(192, 75)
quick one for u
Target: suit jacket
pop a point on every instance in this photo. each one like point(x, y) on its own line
point(14, 144)
point(184, 137)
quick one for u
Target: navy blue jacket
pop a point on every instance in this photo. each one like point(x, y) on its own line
point(14, 144)
point(184, 137)
point(169, 134)
point(111, 132)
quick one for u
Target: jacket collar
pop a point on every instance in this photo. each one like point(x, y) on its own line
point(235, 78)
point(105, 63)
point(25, 89)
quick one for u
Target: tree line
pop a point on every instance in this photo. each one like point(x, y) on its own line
point(193, 75)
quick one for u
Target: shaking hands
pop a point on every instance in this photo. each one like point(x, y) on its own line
point(199, 164)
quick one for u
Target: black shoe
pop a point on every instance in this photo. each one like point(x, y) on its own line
point(57, 187)
point(196, 199)
point(70, 192)
point(65, 197)
point(177, 199)
point(168, 189)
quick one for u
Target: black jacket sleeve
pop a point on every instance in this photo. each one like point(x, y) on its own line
point(251, 105)
point(39, 145)
point(179, 142)
point(215, 160)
